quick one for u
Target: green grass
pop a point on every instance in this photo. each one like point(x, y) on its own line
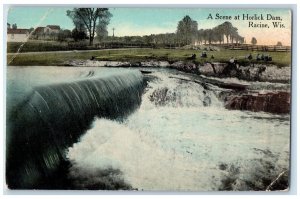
point(41, 46)
point(12, 47)
point(136, 55)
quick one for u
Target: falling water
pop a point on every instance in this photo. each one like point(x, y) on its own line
point(181, 138)
point(51, 117)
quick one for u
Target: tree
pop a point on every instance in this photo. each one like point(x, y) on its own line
point(14, 26)
point(200, 35)
point(279, 43)
point(63, 35)
point(187, 29)
point(148, 39)
point(218, 34)
point(226, 28)
point(101, 28)
point(89, 18)
point(234, 34)
point(240, 39)
point(253, 41)
point(78, 35)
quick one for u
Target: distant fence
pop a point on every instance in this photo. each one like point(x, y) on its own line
point(270, 48)
point(105, 45)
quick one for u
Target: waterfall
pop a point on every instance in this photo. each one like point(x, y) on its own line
point(82, 133)
point(54, 116)
point(181, 139)
point(175, 91)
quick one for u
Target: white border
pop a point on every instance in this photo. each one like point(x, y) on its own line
point(163, 3)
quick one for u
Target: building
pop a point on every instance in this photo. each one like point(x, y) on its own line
point(49, 32)
point(38, 33)
point(39, 30)
point(17, 35)
point(52, 29)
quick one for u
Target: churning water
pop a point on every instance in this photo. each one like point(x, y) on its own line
point(180, 137)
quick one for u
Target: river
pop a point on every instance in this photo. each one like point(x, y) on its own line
point(179, 138)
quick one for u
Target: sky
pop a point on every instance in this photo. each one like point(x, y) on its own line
point(145, 21)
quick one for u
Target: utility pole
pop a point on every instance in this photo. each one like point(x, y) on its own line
point(113, 36)
point(113, 32)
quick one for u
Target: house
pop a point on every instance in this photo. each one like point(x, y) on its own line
point(39, 30)
point(17, 35)
point(38, 33)
point(52, 29)
point(49, 32)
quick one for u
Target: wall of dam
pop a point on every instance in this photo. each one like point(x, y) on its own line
point(51, 117)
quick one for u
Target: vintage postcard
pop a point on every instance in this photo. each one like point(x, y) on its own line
point(148, 99)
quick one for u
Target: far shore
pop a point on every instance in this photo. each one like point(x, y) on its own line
point(54, 58)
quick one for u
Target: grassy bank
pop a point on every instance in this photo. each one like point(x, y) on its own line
point(41, 46)
point(136, 55)
point(33, 46)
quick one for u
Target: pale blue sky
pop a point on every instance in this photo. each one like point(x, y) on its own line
point(143, 21)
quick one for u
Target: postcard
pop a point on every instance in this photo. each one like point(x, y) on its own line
point(148, 98)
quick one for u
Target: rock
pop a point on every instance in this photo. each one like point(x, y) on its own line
point(276, 74)
point(145, 72)
point(251, 73)
point(96, 63)
point(135, 64)
point(116, 64)
point(178, 64)
point(262, 72)
point(189, 67)
point(155, 64)
point(206, 101)
point(272, 102)
point(160, 97)
point(192, 57)
point(207, 70)
point(214, 69)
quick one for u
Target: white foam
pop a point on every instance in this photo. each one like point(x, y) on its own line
point(181, 147)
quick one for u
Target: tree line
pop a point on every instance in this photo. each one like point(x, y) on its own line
point(187, 30)
point(92, 22)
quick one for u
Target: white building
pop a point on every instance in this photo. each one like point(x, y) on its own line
point(17, 35)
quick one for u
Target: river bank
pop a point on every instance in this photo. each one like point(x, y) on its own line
point(54, 58)
point(255, 72)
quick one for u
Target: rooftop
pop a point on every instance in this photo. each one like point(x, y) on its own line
point(17, 31)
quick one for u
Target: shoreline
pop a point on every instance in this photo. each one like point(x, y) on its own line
point(253, 73)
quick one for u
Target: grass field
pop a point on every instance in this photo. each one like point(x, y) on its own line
point(135, 55)
point(41, 46)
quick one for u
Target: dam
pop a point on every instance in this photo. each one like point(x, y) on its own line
point(49, 117)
